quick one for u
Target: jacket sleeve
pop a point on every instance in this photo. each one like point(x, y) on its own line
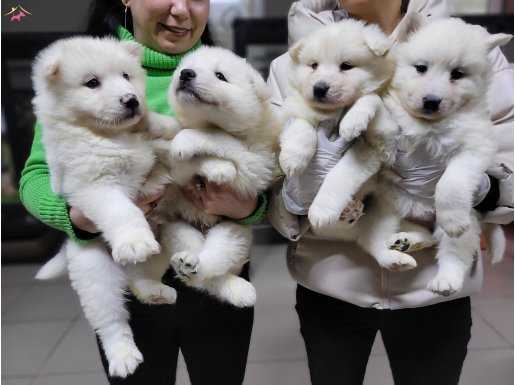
point(37, 196)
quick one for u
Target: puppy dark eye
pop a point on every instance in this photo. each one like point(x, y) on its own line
point(92, 83)
point(221, 76)
point(126, 76)
point(457, 74)
point(346, 66)
point(314, 65)
point(421, 68)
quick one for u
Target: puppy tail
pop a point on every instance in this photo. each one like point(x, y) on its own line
point(496, 242)
point(54, 268)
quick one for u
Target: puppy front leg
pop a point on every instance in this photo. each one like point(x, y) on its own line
point(357, 119)
point(162, 126)
point(455, 257)
point(217, 170)
point(298, 143)
point(156, 181)
point(358, 164)
point(122, 223)
point(100, 285)
point(455, 190)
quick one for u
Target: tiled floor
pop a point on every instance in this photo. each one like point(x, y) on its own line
point(46, 341)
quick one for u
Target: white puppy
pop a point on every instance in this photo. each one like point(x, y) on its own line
point(229, 139)
point(90, 100)
point(438, 97)
point(341, 69)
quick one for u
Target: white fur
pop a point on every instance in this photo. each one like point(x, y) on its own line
point(100, 156)
point(229, 137)
point(457, 133)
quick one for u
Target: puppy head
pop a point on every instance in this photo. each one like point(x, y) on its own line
point(339, 63)
point(97, 83)
point(442, 67)
point(213, 86)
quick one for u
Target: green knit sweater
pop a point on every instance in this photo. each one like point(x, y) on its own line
point(35, 190)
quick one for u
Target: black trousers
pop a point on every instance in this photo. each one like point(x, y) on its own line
point(425, 346)
point(213, 337)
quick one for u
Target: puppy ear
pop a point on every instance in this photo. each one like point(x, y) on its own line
point(133, 48)
point(410, 24)
point(262, 90)
point(294, 51)
point(498, 40)
point(48, 65)
point(376, 40)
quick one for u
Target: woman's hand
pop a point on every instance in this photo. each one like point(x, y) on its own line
point(81, 222)
point(221, 200)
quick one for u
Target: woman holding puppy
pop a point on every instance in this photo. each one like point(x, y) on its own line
point(197, 324)
point(343, 297)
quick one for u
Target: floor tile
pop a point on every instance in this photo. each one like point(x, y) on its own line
point(25, 347)
point(17, 381)
point(378, 371)
point(77, 352)
point(484, 336)
point(10, 294)
point(275, 373)
point(73, 379)
point(498, 280)
point(55, 302)
point(492, 367)
point(19, 274)
point(499, 314)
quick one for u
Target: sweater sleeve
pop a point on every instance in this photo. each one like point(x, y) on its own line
point(36, 192)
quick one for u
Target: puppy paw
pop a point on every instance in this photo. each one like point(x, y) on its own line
point(123, 357)
point(446, 284)
point(396, 261)
point(408, 242)
point(185, 264)
point(223, 173)
point(238, 292)
point(352, 212)
point(183, 146)
point(453, 222)
point(153, 292)
point(353, 125)
point(134, 245)
point(293, 163)
point(320, 215)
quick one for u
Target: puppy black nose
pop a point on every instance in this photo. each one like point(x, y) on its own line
point(130, 101)
point(431, 103)
point(320, 90)
point(187, 75)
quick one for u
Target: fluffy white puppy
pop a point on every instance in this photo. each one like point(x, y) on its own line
point(438, 97)
point(341, 69)
point(90, 100)
point(229, 138)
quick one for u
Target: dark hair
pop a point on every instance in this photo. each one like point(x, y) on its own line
point(106, 15)
point(404, 6)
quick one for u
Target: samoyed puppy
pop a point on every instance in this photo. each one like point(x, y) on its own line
point(229, 137)
point(342, 69)
point(90, 101)
point(438, 98)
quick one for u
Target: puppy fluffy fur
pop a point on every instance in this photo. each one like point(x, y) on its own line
point(438, 97)
point(229, 138)
point(96, 131)
point(345, 67)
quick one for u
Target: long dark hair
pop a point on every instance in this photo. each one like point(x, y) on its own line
point(106, 15)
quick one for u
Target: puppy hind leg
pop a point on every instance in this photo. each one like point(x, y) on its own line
point(100, 284)
point(232, 289)
point(375, 229)
point(455, 257)
point(182, 244)
point(412, 237)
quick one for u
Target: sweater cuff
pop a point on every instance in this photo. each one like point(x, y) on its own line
point(55, 212)
point(258, 214)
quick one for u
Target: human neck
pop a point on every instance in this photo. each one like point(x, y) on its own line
point(386, 14)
